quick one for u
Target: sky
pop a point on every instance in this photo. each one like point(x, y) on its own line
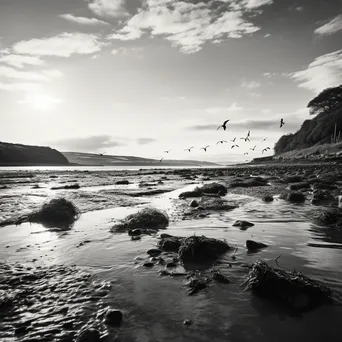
point(138, 77)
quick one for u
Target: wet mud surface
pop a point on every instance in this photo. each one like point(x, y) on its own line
point(54, 285)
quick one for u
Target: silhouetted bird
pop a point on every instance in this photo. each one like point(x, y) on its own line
point(221, 142)
point(205, 148)
point(235, 146)
point(265, 149)
point(233, 140)
point(101, 154)
point(189, 149)
point(246, 153)
point(282, 123)
point(252, 149)
point(167, 151)
point(248, 134)
point(224, 125)
point(246, 139)
point(161, 159)
point(263, 140)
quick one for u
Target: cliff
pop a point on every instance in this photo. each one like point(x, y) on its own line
point(25, 155)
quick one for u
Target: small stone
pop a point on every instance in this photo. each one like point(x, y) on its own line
point(187, 322)
point(253, 245)
point(268, 198)
point(113, 318)
point(154, 252)
point(194, 204)
point(243, 224)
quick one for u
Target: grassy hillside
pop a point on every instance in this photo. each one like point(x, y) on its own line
point(90, 159)
point(315, 132)
point(25, 155)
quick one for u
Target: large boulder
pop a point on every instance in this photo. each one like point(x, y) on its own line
point(293, 196)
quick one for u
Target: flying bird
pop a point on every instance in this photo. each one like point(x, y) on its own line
point(101, 154)
point(161, 159)
point(189, 149)
point(167, 151)
point(246, 139)
point(265, 149)
point(282, 123)
point(252, 149)
point(205, 148)
point(221, 142)
point(248, 134)
point(233, 140)
point(235, 146)
point(263, 140)
point(224, 125)
point(246, 153)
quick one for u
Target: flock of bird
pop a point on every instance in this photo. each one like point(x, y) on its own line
point(234, 145)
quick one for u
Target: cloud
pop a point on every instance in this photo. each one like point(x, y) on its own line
point(330, 27)
point(267, 35)
point(190, 25)
point(62, 45)
point(8, 72)
point(19, 61)
point(83, 20)
point(233, 108)
point(325, 71)
point(87, 144)
point(108, 8)
point(126, 50)
point(40, 102)
point(250, 84)
point(145, 141)
point(20, 86)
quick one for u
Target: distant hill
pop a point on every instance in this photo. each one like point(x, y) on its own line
point(25, 155)
point(317, 131)
point(90, 159)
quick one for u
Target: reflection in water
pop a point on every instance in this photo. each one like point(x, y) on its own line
point(155, 307)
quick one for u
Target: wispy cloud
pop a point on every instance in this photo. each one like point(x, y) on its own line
point(19, 61)
point(62, 45)
point(128, 50)
point(108, 8)
point(83, 20)
point(10, 73)
point(20, 86)
point(190, 25)
point(145, 141)
point(330, 27)
point(233, 108)
point(88, 144)
point(325, 71)
point(250, 84)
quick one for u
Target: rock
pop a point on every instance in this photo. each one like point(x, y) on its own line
point(249, 182)
point(171, 265)
point(194, 204)
point(293, 179)
point(211, 188)
point(253, 245)
point(210, 203)
point(135, 238)
point(147, 218)
point(134, 232)
point(330, 217)
point(243, 224)
point(154, 252)
point(89, 335)
point(325, 186)
point(148, 264)
point(299, 186)
point(113, 318)
point(219, 277)
point(195, 193)
point(293, 196)
point(187, 322)
point(268, 198)
point(122, 182)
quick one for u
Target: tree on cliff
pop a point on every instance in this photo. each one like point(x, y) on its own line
point(326, 101)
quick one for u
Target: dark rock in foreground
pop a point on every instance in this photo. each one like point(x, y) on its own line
point(293, 196)
point(254, 246)
point(147, 218)
point(243, 224)
point(290, 289)
point(268, 198)
point(113, 318)
point(330, 217)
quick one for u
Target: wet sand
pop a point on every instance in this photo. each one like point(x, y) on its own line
point(155, 306)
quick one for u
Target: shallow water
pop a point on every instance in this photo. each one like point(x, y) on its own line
point(154, 307)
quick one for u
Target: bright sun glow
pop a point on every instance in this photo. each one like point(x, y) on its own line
point(41, 101)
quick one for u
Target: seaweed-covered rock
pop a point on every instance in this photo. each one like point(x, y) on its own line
point(201, 249)
point(169, 243)
point(249, 182)
point(299, 186)
point(330, 217)
point(113, 318)
point(291, 289)
point(211, 188)
point(147, 218)
point(254, 246)
point(268, 198)
point(212, 203)
point(293, 196)
point(243, 224)
point(75, 186)
point(194, 193)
